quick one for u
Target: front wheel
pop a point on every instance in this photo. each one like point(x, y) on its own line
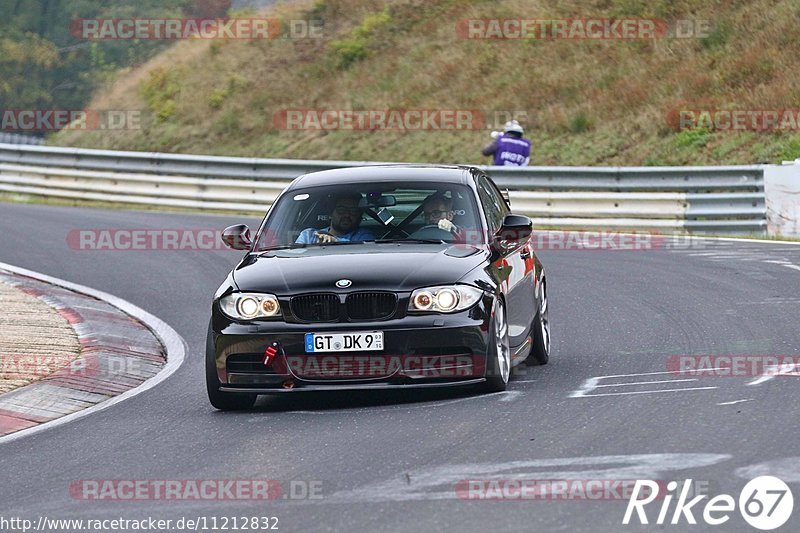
point(498, 354)
point(224, 401)
point(540, 353)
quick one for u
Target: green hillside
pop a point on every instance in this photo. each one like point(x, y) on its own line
point(584, 102)
point(44, 66)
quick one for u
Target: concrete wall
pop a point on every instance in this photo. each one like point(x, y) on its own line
point(782, 189)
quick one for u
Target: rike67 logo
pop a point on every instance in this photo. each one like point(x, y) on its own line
point(765, 503)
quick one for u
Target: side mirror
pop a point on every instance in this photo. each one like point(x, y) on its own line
point(515, 231)
point(237, 237)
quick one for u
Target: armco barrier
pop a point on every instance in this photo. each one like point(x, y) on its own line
point(684, 199)
point(16, 138)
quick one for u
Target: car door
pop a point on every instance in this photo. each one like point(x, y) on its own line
point(510, 269)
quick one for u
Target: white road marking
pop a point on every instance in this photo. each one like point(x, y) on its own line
point(780, 370)
point(510, 395)
point(174, 345)
point(741, 241)
point(642, 374)
point(761, 379)
point(787, 469)
point(646, 392)
point(628, 384)
point(739, 250)
point(588, 385)
point(721, 255)
point(441, 482)
point(783, 263)
point(773, 301)
point(593, 383)
point(736, 401)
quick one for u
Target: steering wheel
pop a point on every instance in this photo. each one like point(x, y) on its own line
point(431, 231)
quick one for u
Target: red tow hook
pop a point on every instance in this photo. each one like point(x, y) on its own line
point(288, 384)
point(269, 354)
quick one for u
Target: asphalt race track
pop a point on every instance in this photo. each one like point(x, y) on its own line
point(604, 408)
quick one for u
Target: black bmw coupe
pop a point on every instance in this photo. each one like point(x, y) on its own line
point(377, 277)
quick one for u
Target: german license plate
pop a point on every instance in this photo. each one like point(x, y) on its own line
point(360, 341)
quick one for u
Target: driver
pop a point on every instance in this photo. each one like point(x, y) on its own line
point(345, 219)
point(438, 211)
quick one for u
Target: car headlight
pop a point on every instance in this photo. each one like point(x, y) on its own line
point(250, 306)
point(444, 299)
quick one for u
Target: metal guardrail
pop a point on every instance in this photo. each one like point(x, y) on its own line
point(16, 138)
point(692, 199)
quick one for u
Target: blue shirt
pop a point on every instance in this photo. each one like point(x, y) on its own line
point(307, 236)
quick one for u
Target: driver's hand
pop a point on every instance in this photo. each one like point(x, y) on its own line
point(446, 225)
point(325, 238)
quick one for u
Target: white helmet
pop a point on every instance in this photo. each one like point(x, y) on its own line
point(513, 125)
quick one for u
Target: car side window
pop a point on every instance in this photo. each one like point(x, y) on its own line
point(493, 204)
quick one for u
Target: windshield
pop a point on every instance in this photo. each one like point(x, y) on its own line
point(359, 213)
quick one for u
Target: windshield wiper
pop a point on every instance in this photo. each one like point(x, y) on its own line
point(423, 241)
point(282, 247)
point(308, 245)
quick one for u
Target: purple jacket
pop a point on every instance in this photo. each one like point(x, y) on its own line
point(508, 150)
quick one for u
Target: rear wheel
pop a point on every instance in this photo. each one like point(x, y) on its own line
point(540, 353)
point(224, 401)
point(498, 356)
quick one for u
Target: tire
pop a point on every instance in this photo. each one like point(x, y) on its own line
point(540, 352)
point(498, 354)
point(224, 401)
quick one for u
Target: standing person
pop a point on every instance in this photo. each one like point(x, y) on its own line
point(509, 148)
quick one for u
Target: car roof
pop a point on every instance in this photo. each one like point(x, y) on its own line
point(383, 173)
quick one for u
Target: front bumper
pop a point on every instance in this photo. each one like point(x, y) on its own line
point(340, 387)
point(432, 350)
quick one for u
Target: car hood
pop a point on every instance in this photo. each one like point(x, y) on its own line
point(369, 266)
